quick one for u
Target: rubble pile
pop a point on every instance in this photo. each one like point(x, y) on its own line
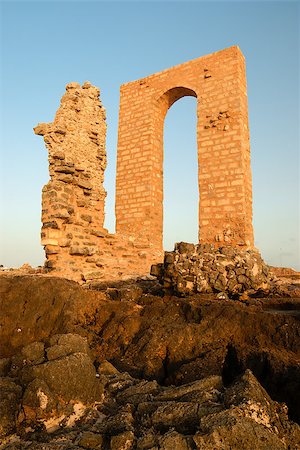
point(203, 268)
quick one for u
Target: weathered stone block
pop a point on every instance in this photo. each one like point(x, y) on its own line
point(72, 377)
point(123, 441)
point(85, 184)
point(77, 250)
point(64, 169)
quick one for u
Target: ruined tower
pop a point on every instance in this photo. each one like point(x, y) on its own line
point(73, 199)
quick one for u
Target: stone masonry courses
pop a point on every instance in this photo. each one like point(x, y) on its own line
point(77, 245)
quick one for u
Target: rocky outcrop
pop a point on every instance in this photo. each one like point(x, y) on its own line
point(49, 385)
point(140, 414)
point(204, 269)
point(168, 339)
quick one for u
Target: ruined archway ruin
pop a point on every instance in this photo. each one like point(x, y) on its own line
point(76, 244)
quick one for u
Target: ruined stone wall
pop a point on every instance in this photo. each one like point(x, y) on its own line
point(73, 199)
point(77, 246)
point(225, 205)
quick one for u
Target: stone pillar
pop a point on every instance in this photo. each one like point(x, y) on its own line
point(73, 199)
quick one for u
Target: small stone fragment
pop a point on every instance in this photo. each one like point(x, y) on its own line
point(123, 441)
point(173, 441)
point(106, 368)
point(90, 440)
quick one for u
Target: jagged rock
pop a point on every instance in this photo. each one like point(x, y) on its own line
point(246, 388)
point(71, 377)
point(121, 422)
point(148, 441)
point(106, 368)
point(10, 395)
point(66, 344)
point(183, 416)
point(172, 340)
point(38, 309)
point(120, 382)
point(248, 394)
point(229, 429)
point(245, 417)
point(207, 389)
point(61, 389)
point(38, 402)
point(141, 392)
point(251, 420)
point(173, 441)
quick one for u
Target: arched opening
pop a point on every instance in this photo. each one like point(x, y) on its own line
point(180, 171)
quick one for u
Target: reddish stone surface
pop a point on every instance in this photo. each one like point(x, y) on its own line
point(218, 81)
point(76, 244)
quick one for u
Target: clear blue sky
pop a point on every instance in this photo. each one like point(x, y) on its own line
point(45, 45)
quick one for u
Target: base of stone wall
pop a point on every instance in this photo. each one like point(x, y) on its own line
point(202, 268)
point(115, 257)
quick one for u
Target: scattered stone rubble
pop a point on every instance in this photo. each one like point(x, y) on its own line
point(204, 269)
point(53, 398)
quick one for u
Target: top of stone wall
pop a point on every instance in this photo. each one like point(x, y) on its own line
point(78, 131)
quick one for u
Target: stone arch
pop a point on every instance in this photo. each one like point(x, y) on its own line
point(225, 214)
point(168, 98)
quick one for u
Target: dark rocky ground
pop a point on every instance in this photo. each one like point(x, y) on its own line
point(187, 373)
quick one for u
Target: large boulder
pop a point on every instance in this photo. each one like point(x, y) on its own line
point(33, 308)
point(204, 415)
point(250, 420)
point(59, 382)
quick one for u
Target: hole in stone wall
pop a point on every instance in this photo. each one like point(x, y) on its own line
point(181, 193)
